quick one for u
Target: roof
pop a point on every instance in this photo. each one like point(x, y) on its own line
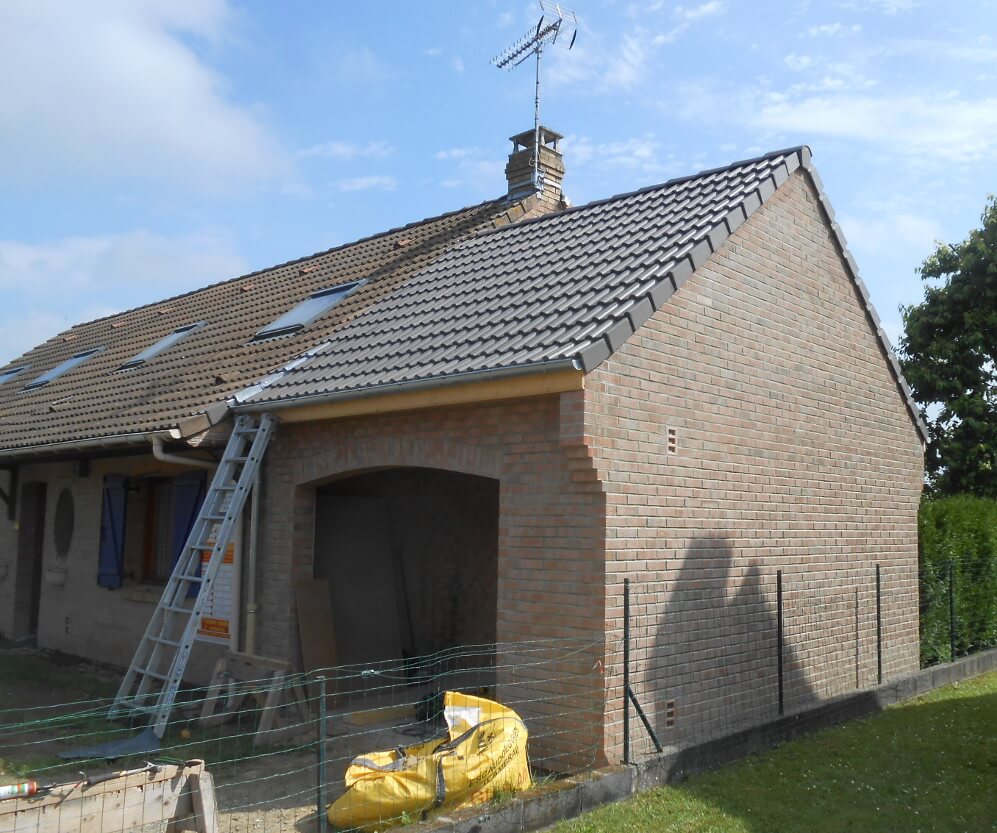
point(97, 400)
point(447, 299)
point(571, 286)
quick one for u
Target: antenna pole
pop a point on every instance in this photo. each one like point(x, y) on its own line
point(537, 179)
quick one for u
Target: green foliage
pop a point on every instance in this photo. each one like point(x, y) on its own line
point(924, 765)
point(949, 356)
point(957, 533)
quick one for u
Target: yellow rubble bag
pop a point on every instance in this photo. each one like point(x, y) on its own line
point(483, 754)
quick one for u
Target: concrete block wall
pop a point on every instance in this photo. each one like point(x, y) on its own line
point(76, 615)
point(794, 451)
point(551, 577)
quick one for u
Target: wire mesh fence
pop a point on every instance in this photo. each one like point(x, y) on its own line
point(279, 748)
point(716, 650)
point(958, 606)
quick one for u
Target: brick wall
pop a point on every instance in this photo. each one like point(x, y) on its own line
point(551, 580)
point(794, 452)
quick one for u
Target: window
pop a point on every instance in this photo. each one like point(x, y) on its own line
point(163, 344)
point(11, 372)
point(59, 369)
point(145, 524)
point(307, 311)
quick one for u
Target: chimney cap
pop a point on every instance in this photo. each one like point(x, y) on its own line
point(525, 139)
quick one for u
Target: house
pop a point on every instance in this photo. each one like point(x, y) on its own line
point(515, 406)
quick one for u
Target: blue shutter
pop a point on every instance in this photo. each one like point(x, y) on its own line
point(111, 564)
point(188, 495)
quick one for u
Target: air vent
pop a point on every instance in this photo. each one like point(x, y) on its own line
point(673, 441)
point(669, 713)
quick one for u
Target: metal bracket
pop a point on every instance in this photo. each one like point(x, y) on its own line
point(10, 496)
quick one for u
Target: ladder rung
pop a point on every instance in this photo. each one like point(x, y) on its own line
point(145, 672)
point(173, 609)
point(215, 517)
point(164, 641)
point(188, 577)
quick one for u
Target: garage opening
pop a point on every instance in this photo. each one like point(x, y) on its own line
point(411, 559)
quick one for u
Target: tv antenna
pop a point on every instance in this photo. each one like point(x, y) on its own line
point(556, 25)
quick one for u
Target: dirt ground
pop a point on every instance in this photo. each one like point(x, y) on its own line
point(267, 790)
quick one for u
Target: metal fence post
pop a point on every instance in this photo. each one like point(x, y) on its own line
point(952, 610)
point(321, 729)
point(879, 628)
point(626, 671)
point(779, 635)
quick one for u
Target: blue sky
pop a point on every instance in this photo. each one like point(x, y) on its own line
point(149, 147)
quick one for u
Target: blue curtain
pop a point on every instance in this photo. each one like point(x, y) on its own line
point(188, 495)
point(111, 563)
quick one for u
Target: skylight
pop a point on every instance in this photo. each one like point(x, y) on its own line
point(163, 344)
point(59, 369)
point(307, 311)
point(11, 372)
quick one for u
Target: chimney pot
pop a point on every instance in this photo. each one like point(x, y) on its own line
point(547, 184)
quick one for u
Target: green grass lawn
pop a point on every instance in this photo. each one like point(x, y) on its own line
point(929, 764)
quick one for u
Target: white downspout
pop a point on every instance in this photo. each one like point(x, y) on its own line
point(166, 457)
point(254, 525)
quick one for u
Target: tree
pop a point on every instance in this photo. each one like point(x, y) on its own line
point(949, 356)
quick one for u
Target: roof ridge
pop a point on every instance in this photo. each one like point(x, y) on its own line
point(366, 239)
point(797, 149)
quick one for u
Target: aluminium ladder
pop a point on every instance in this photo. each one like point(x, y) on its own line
point(153, 678)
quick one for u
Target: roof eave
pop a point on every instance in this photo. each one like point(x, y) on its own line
point(553, 375)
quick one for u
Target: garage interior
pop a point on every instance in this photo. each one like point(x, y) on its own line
point(411, 559)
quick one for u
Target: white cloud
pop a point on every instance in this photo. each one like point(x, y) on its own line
point(457, 63)
point(889, 231)
point(686, 17)
point(887, 6)
point(833, 29)
point(378, 182)
point(925, 127)
point(798, 62)
point(346, 151)
point(115, 88)
point(48, 287)
point(709, 9)
point(640, 154)
point(505, 19)
point(627, 67)
point(601, 70)
point(457, 153)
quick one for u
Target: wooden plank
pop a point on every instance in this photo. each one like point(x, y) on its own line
point(203, 797)
point(120, 803)
point(315, 624)
point(213, 696)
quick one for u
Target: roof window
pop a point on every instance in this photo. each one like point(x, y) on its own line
point(163, 344)
point(59, 369)
point(316, 304)
point(11, 372)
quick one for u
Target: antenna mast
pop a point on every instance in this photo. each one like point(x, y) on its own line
point(554, 21)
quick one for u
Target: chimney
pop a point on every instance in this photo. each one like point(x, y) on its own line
point(519, 170)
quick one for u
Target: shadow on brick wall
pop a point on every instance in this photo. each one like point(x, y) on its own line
point(713, 666)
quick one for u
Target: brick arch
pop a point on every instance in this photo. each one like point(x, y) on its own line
point(376, 453)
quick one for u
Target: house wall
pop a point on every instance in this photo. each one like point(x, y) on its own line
point(795, 452)
point(551, 580)
point(77, 616)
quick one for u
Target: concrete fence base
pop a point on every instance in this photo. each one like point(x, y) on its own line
point(573, 796)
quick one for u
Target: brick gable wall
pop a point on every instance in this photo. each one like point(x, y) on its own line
point(794, 452)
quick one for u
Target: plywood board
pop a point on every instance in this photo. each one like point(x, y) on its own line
point(315, 624)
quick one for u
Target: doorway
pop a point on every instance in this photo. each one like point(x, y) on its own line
point(30, 547)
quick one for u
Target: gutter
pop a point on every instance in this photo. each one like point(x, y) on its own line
point(510, 372)
point(187, 427)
